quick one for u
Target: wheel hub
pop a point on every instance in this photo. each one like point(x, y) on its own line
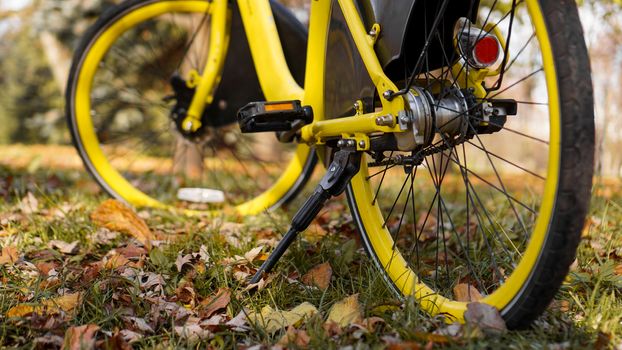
point(427, 115)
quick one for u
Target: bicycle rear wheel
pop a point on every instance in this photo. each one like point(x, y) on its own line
point(497, 216)
point(129, 84)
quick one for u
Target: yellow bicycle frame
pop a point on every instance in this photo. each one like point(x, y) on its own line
point(276, 79)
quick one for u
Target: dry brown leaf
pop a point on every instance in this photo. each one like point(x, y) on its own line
point(115, 216)
point(29, 204)
point(486, 318)
point(370, 323)
point(131, 251)
point(216, 302)
point(65, 303)
point(185, 294)
point(253, 254)
point(346, 311)
point(618, 270)
point(64, 247)
point(45, 267)
point(82, 337)
point(432, 338)
point(404, 346)
point(294, 337)
point(319, 276)
point(115, 261)
point(315, 232)
point(466, 293)
point(9, 255)
point(192, 332)
point(139, 324)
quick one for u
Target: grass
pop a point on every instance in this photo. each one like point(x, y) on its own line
point(587, 312)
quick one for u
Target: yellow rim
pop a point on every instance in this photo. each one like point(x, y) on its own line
point(88, 139)
point(396, 267)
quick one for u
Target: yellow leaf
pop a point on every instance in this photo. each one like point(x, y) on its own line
point(115, 216)
point(66, 303)
point(319, 276)
point(272, 320)
point(9, 255)
point(346, 312)
point(466, 292)
point(22, 310)
point(115, 261)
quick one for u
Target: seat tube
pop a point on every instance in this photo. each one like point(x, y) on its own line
point(274, 75)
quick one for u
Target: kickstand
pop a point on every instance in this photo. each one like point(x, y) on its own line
point(341, 170)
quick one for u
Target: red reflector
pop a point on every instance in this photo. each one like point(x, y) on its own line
point(486, 51)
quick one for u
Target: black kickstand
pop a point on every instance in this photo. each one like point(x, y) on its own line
point(341, 170)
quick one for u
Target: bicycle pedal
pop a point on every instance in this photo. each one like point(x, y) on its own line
point(274, 116)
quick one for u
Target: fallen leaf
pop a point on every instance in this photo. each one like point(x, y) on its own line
point(346, 311)
point(185, 294)
point(315, 232)
point(370, 323)
point(64, 303)
point(466, 293)
point(81, 337)
point(46, 267)
point(216, 302)
point(130, 336)
point(252, 254)
point(203, 254)
point(182, 260)
point(9, 255)
point(618, 270)
point(319, 276)
point(192, 332)
point(29, 204)
point(64, 247)
point(295, 338)
point(238, 323)
point(272, 320)
point(453, 330)
point(409, 345)
point(432, 338)
point(49, 341)
point(115, 261)
point(116, 341)
point(131, 251)
point(139, 324)
point(103, 236)
point(115, 216)
point(486, 318)
point(150, 280)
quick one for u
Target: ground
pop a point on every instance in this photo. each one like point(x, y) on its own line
point(79, 269)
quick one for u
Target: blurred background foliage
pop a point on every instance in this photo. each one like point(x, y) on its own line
point(37, 38)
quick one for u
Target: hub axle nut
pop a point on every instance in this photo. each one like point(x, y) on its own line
point(385, 120)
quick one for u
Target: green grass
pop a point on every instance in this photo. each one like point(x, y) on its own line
point(586, 314)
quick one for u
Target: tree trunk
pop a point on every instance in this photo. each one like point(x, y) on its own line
point(59, 58)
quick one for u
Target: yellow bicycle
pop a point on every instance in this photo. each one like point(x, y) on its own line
point(461, 131)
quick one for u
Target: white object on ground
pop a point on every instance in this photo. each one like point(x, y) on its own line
point(200, 195)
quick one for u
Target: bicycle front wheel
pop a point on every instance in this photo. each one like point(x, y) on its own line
point(493, 217)
point(130, 85)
